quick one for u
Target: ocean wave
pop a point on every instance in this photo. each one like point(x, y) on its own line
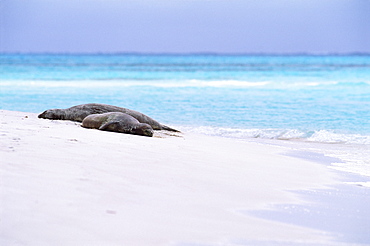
point(181, 83)
point(226, 83)
point(320, 136)
point(352, 150)
point(360, 83)
point(131, 83)
point(324, 136)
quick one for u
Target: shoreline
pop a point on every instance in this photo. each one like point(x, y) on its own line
point(61, 182)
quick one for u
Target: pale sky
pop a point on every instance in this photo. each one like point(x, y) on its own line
point(185, 26)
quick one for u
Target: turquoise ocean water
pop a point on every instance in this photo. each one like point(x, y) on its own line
point(314, 99)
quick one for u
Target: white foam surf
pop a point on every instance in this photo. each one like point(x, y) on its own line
point(321, 136)
point(175, 83)
point(352, 149)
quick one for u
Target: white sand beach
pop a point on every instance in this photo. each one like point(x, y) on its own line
point(62, 184)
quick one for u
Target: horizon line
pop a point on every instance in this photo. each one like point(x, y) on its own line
point(196, 53)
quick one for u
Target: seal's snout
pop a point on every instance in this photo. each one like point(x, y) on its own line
point(149, 133)
point(42, 115)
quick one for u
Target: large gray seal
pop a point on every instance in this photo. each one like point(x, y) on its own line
point(117, 122)
point(79, 112)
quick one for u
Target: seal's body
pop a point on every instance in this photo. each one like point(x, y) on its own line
point(117, 122)
point(79, 112)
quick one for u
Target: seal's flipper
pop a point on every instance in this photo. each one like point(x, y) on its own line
point(108, 124)
point(167, 128)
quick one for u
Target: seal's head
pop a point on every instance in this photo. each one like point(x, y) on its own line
point(144, 130)
point(53, 114)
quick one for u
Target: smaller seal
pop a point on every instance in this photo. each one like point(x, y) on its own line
point(117, 122)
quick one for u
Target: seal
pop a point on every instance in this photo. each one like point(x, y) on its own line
point(79, 112)
point(117, 122)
